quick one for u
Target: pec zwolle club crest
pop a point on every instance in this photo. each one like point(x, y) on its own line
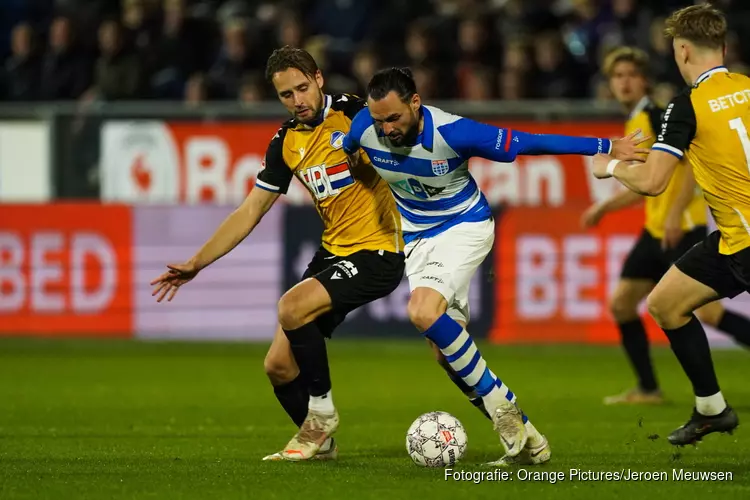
point(440, 167)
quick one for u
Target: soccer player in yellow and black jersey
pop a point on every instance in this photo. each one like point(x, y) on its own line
point(361, 256)
point(707, 124)
point(675, 221)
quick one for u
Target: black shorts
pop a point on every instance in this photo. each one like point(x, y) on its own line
point(728, 275)
point(354, 281)
point(647, 260)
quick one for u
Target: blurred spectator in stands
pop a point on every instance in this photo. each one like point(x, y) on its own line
point(345, 22)
point(733, 60)
point(474, 42)
point(12, 13)
point(515, 69)
point(663, 67)
point(252, 89)
point(119, 72)
point(426, 78)
point(140, 26)
point(22, 70)
point(420, 45)
point(179, 52)
point(196, 90)
point(86, 16)
point(366, 63)
point(583, 31)
point(477, 84)
point(630, 23)
point(556, 75)
point(66, 72)
point(510, 22)
point(512, 86)
point(290, 30)
point(235, 59)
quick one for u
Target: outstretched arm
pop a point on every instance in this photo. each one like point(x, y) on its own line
point(470, 138)
point(272, 181)
point(652, 177)
point(235, 228)
point(649, 178)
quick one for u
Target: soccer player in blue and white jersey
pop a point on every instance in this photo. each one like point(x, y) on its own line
point(423, 153)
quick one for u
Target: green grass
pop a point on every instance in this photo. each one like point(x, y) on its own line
point(84, 419)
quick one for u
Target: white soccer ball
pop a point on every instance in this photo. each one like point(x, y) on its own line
point(436, 439)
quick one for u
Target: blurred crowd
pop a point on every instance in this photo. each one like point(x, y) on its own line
point(198, 50)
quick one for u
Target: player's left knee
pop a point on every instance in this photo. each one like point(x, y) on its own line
point(425, 307)
point(291, 316)
point(280, 369)
point(664, 311)
point(422, 315)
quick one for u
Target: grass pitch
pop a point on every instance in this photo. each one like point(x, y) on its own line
point(111, 419)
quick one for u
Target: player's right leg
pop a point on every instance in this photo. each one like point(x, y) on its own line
point(290, 390)
point(437, 268)
point(469, 392)
point(626, 298)
point(345, 284)
point(701, 276)
point(298, 310)
point(642, 268)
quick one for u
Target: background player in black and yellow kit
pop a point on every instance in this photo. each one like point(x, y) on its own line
point(674, 222)
point(361, 256)
point(707, 124)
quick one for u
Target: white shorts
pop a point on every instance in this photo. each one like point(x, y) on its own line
point(447, 262)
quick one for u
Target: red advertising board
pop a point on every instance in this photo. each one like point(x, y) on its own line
point(64, 269)
point(554, 280)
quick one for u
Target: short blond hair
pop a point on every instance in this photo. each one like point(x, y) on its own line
point(632, 55)
point(702, 25)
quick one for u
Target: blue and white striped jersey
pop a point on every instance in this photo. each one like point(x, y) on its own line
point(430, 180)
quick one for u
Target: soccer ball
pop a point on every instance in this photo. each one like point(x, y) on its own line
point(436, 439)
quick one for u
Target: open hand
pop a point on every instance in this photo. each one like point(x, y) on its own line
point(627, 148)
point(170, 282)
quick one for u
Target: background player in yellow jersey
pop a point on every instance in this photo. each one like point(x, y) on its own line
point(360, 259)
point(675, 221)
point(707, 124)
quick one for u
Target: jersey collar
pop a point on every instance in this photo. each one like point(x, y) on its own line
point(428, 129)
point(642, 104)
point(707, 74)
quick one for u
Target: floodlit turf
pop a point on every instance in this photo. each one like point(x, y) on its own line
point(135, 420)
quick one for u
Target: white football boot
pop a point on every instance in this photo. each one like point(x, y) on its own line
point(329, 451)
point(507, 420)
point(536, 455)
point(315, 431)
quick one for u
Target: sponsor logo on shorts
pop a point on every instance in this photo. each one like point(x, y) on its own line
point(433, 278)
point(345, 269)
point(434, 263)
